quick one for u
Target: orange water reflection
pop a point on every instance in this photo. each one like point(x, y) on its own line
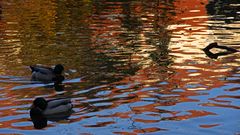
point(141, 66)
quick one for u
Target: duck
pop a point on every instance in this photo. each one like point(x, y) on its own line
point(43, 110)
point(228, 50)
point(54, 106)
point(47, 74)
point(215, 45)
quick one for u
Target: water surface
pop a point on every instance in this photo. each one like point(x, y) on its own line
point(132, 67)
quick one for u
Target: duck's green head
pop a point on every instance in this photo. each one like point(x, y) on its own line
point(40, 103)
point(58, 69)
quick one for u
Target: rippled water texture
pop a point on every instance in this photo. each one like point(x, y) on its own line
point(131, 67)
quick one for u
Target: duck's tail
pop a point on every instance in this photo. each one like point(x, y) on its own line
point(32, 68)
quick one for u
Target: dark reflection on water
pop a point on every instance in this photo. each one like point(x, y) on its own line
point(132, 67)
point(228, 10)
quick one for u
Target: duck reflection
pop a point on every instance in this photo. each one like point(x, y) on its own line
point(59, 87)
point(227, 51)
point(53, 110)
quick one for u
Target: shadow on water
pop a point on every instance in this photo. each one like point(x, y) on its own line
point(224, 10)
point(133, 67)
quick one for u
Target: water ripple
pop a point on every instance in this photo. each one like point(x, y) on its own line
point(131, 67)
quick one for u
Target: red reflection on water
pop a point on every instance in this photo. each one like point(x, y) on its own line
point(9, 124)
point(219, 100)
point(209, 125)
point(234, 89)
point(101, 124)
point(123, 115)
point(221, 105)
point(148, 130)
point(229, 96)
point(107, 27)
point(124, 133)
point(193, 114)
point(146, 121)
point(186, 9)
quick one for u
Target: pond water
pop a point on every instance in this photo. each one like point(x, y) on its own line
point(131, 67)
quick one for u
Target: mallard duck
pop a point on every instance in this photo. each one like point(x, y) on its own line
point(54, 106)
point(53, 110)
point(47, 74)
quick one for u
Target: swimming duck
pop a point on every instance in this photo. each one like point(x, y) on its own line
point(228, 50)
point(54, 106)
point(53, 110)
point(215, 45)
point(47, 74)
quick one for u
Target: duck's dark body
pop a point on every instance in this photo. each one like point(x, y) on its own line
point(46, 74)
point(54, 110)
